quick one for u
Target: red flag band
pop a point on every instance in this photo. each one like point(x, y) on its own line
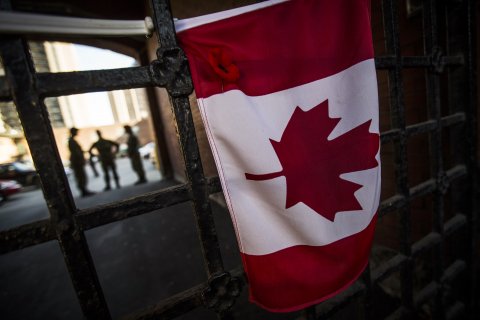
point(287, 93)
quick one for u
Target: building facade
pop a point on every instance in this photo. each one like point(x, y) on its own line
point(109, 111)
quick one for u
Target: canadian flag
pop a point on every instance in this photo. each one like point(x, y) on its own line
point(288, 95)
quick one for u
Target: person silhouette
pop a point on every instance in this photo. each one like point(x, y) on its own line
point(77, 163)
point(134, 155)
point(106, 150)
point(91, 162)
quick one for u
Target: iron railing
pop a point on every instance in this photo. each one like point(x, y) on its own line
point(67, 224)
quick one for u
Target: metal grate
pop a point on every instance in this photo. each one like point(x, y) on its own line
point(67, 224)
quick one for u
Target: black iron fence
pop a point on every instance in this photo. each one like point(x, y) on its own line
point(449, 62)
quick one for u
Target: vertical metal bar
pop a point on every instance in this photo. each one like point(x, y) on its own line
point(430, 29)
point(21, 76)
point(471, 129)
point(188, 141)
point(392, 41)
point(462, 93)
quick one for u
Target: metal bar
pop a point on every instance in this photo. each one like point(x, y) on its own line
point(180, 303)
point(201, 202)
point(98, 216)
point(472, 208)
point(421, 246)
point(33, 115)
point(456, 222)
point(453, 119)
point(172, 307)
point(395, 202)
point(461, 37)
point(400, 313)
point(456, 172)
point(40, 232)
point(389, 136)
point(424, 127)
point(214, 185)
point(328, 308)
point(423, 188)
point(428, 242)
point(434, 288)
point(66, 83)
point(388, 267)
point(95, 217)
point(399, 201)
point(431, 43)
point(434, 239)
point(179, 91)
point(425, 294)
point(453, 271)
point(5, 94)
point(392, 44)
point(457, 311)
point(391, 62)
point(26, 235)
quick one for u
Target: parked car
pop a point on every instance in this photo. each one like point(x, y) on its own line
point(20, 172)
point(8, 188)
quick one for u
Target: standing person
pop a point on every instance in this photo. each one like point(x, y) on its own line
point(134, 155)
point(106, 150)
point(91, 161)
point(77, 162)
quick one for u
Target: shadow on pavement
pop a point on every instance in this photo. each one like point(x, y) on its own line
point(139, 261)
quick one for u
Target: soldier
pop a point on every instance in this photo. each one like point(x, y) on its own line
point(134, 155)
point(77, 163)
point(106, 150)
point(91, 161)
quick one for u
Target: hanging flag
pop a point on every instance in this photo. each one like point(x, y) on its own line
point(288, 95)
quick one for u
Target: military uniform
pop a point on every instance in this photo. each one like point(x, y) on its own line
point(135, 158)
point(77, 163)
point(107, 159)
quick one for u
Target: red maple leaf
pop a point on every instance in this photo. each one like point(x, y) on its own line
point(312, 164)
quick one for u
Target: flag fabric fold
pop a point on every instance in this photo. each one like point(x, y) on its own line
point(288, 95)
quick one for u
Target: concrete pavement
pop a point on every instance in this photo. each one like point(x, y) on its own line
point(139, 261)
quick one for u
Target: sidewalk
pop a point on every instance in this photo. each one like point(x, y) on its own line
point(139, 261)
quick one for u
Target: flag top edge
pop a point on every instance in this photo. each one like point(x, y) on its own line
point(185, 24)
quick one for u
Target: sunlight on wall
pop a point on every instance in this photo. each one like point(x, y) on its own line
point(89, 109)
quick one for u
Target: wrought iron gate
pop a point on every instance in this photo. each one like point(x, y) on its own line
point(448, 59)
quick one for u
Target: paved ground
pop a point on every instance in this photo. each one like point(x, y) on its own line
point(29, 206)
point(139, 261)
